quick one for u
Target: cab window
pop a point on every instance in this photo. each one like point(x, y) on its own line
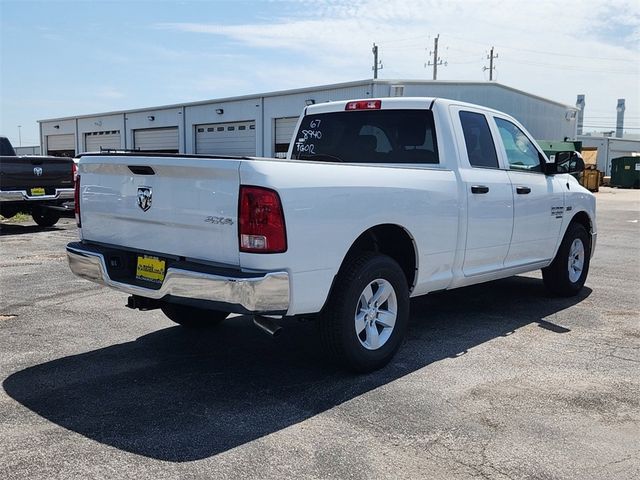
point(521, 152)
point(368, 136)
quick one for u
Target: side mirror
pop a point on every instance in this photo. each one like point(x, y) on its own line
point(565, 162)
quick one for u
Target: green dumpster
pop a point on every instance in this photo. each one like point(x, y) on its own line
point(625, 172)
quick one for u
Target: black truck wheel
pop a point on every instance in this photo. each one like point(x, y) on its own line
point(568, 271)
point(366, 317)
point(45, 217)
point(192, 317)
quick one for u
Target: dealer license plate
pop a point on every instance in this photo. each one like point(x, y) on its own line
point(150, 269)
point(37, 192)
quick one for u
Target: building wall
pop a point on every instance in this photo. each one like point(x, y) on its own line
point(235, 111)
point(610, 148)
point(100, 123)
point(58, 127)
point(544, 119)
point(170, 117)
point(32, 150)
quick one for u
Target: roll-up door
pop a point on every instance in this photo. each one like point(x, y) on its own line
point(161, 140)
point(237, 138)
point(96, 141)
point(61, 145)
point(284, 131)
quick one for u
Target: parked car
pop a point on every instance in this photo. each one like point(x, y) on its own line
point(378, 201)
point(39, 185)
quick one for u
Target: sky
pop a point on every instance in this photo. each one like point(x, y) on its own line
point(64, 58)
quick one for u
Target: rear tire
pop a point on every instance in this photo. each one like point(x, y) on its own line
point(568, 272)
point(192, 317)
point(366, 316)
point(45, 217)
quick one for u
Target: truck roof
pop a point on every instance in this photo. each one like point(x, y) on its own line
point(393, 103)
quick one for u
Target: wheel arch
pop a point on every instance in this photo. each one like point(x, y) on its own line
point(582, 218)
point(392, 240)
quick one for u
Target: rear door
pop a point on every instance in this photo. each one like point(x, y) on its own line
point(488, 191)
point(538, 198)
point(178, 206)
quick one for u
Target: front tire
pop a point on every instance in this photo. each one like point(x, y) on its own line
point(45, 217)
point(568, 272)
point(193, 317)
point(366, 317)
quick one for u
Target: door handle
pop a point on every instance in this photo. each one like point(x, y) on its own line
point(479, 189)
point(523, 190)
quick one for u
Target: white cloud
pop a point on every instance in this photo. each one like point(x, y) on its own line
point(552, 48)
point(109, 93)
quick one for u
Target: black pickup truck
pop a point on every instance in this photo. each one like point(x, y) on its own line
point(41, 186)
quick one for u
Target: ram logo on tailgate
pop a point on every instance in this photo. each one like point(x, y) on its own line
point(144, 198)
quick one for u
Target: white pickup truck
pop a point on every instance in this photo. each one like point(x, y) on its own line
point(377, 201)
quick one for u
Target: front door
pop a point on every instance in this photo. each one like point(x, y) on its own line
point(538, 199)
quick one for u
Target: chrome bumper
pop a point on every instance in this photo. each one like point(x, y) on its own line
point(22, 195)
point(268, 292)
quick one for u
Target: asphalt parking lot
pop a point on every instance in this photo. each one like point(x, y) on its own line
point(494, 381)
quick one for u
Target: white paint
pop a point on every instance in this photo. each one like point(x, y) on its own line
point(328, 205)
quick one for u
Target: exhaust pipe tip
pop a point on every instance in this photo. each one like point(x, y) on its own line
point(267, 325)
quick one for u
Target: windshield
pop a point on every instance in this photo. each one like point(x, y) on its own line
point(368, 136)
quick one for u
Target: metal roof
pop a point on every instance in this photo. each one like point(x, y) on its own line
point(311, 89)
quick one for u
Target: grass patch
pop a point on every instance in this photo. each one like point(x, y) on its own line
point(19, 217)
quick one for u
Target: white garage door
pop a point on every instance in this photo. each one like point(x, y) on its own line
point(95, 141)
point(284, 131)
point(156, 139)
point(61, 144)
point(237, 138)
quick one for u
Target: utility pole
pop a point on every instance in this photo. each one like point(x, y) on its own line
point(377, 65)
point(19, 135)
point(436, 60)
point(491, 68)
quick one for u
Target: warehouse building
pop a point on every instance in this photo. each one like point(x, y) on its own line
point(609, 148)
point(262, 124)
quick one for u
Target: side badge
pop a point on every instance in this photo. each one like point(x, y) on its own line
point(144, 198)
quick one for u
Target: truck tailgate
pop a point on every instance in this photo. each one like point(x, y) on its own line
point(20, 173)
point(178, 206)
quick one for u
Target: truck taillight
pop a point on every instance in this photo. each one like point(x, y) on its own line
point(364, 105)
point(74, 171)
point(76, 200)
point(261, 225)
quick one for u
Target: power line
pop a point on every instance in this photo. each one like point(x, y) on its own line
point(587, 57)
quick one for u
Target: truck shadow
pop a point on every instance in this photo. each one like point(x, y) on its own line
point(179, 396)
point(17, 229)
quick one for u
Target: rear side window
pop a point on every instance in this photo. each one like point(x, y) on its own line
point(477, 137)
point(368, 136)
point(6, 150)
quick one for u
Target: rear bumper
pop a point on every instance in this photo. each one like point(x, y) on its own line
point(23, 196)
point(263, 293)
